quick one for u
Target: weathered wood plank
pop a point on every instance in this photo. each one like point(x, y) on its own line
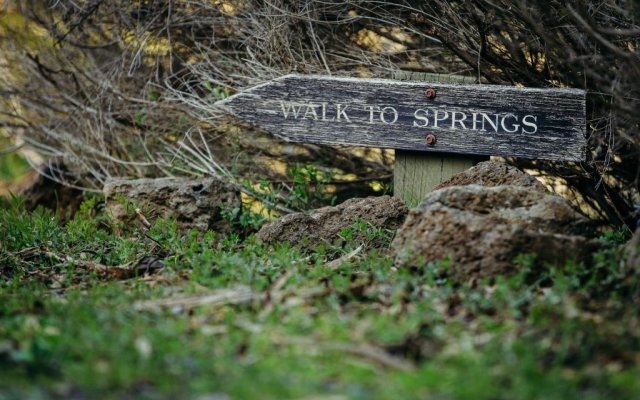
point(433, 77)
point(466, 119)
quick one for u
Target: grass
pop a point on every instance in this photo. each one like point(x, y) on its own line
point(231, 318)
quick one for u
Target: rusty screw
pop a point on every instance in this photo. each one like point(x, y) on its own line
point(431, 93)
point(431, 139)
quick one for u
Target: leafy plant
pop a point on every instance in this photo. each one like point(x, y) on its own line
point(308, 188)
point(617, 235)
point(218, 92)
point(245, 220)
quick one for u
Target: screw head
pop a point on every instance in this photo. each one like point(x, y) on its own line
point(430, 93)
point(431, 139)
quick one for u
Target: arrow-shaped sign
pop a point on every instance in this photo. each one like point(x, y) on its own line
point(445, 118)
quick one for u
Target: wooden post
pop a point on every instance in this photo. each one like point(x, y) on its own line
point(416, 173)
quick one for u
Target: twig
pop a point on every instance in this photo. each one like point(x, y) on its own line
point(222, 297)
point(219, 298)
point(143, 219)
point(372, 353)
point(338, 261)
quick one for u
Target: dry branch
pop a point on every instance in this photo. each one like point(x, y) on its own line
point(126, 81)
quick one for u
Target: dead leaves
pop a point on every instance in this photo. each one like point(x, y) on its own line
point(278, 297)
point(75, 269)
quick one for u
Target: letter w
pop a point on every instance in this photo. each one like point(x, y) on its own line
point(290, 108)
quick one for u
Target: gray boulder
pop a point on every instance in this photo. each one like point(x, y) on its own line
point(325, 224)
point(493, 173)
point(194, 203)
point(483, 229)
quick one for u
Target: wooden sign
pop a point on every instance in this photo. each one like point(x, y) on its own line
point(486, 120)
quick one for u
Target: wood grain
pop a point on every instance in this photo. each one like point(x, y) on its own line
point(416, 174)
point(560, 114)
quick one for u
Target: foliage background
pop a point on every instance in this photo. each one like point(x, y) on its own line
point(122, 88)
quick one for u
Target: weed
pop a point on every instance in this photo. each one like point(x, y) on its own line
point(228, 315)
point(617, 236)
point(218, 92)
point(307, 188)
point(243, 220)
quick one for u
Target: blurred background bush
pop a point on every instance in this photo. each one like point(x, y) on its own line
point(97, 88)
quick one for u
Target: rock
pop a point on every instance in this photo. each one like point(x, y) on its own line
point(632, 253)
point(493, 173)
point(44, 189)
point(324, 224)
point(194, 203)
point(483, 229)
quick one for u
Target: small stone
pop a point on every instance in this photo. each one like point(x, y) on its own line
point(194, 203)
